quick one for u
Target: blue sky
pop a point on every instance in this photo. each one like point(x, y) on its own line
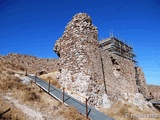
point(33, 26)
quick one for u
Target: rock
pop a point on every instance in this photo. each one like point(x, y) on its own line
point(17, 75)
point(137, 102)
point(125, 96)
point(139, 95)
point(25, 80)
point(106, 102)
point(130, 101)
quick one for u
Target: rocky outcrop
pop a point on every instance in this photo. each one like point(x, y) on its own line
point(138, 100)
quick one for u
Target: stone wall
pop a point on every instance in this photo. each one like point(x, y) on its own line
point(141, 82)
point(119, 75)
point(85, 69)
point(80, 60)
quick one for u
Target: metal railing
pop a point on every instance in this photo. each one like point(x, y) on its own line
point(63, 94)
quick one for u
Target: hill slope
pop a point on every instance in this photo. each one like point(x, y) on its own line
point(31, 63)
point(27, 101)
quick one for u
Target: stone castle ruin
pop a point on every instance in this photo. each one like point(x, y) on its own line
point(102, 71)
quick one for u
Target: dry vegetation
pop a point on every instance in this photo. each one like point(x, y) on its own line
point(72, 114)
point(126, 111)
point(13, 114)
point(52, 78)
point(31, 96)
point(31, 63)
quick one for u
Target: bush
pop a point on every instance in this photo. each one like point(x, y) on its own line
point(31, 96)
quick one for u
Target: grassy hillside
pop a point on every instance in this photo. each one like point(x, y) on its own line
point(24, 100)
point(31, 63)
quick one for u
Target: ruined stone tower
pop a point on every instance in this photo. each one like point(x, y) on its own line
point(80, 60)
point(119, 68)
point(102, 71)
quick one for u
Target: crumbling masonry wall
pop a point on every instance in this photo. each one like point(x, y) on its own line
point(90, 71)
point(80, 68)
point(119, 75)
point(155, 91)
point(141, 82)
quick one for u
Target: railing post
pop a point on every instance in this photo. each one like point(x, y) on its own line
point(86, 108)
point(49, 86)
point(26, 73)
point(5, 112)
point(31, 84)
point(35, 77)
point(40, 89)
point(63, 94)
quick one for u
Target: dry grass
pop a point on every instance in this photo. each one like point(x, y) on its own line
point(12, 66)
point(71, 113)
point(32, 63)
point(13, 84)
point(52, 78)
point(10, 82)
point(31, 95)
point(13, 114)
point(126, 111)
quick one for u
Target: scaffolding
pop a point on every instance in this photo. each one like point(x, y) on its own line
point(117, 47)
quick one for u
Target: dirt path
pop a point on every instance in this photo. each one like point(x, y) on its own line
point(32, 114)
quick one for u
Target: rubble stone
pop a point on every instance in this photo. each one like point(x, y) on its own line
point(120, 77)
point(141, 82)
point(89, 71)
point(80, 61)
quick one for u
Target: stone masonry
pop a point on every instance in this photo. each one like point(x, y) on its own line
point(119, 75)
point(89, 71)
point(155, 91)
point(80, 64)
point(141, 82)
